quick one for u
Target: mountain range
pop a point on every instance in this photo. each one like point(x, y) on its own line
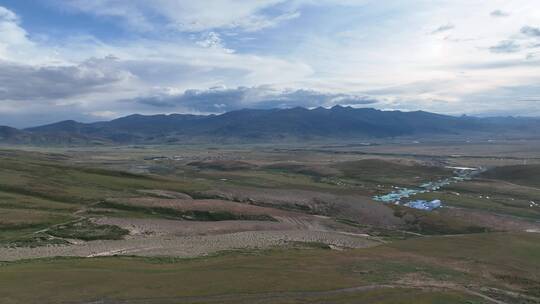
point(253, 125)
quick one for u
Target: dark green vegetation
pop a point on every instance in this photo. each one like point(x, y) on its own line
point(190, 215)
point(525, 175)
point(21, 227)
point(88, 231)
point(361, 176)
point(222, 165)
point(385, 172)
point(433, 223)
point(299, 168)
point(365, 172)
point(425, 270)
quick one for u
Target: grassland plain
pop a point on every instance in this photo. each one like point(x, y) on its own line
point(428, 270)
point(473, 251)
point(68, 185)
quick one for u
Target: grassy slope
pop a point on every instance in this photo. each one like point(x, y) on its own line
point(30, 197)
point(46, 183)
point(388, 172)
point(492, 195)
point(511, 251)
point(500, 204)
point(78, 185)
point(435, 223)
point(352, 176)
point(489, 260)
point(131, 278)
point(526, 175)
point(40, 190)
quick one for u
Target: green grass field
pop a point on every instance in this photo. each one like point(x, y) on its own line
point(425, 270)
point(526, 175)
point(46, 198)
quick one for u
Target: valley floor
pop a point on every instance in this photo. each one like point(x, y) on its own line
point(262, 224)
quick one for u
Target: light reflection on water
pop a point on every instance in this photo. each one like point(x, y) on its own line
point(400, 196)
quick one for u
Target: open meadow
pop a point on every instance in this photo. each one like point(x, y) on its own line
point(261, 224)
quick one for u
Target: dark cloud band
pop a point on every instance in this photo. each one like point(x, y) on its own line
point(217, 100)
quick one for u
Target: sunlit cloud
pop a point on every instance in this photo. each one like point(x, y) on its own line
point(91, 60)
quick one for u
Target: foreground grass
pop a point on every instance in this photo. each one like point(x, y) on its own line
point(228, 278)
point(402, 272)
point(40, 191)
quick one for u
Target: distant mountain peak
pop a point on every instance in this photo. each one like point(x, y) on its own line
point(249, 125)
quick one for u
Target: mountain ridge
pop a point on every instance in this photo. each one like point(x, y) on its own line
point(253, 125)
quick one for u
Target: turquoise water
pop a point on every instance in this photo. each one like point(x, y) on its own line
point(400, 196)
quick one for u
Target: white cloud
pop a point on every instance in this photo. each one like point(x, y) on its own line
point(7, 15)
point(104, 114)
point(190, 16)
point(87, 75)
point(213, 40)
point(12, 36)
point(353, 48)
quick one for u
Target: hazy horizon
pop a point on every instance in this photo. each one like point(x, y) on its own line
point(243, 109)
point(100, 60)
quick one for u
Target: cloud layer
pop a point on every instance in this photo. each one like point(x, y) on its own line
point(93, 60)
point(25, 82)
point(220, 99)
point(191, 16)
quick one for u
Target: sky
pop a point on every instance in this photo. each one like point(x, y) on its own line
point(94, 60)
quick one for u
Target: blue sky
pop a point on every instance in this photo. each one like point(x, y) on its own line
point(100, 59)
